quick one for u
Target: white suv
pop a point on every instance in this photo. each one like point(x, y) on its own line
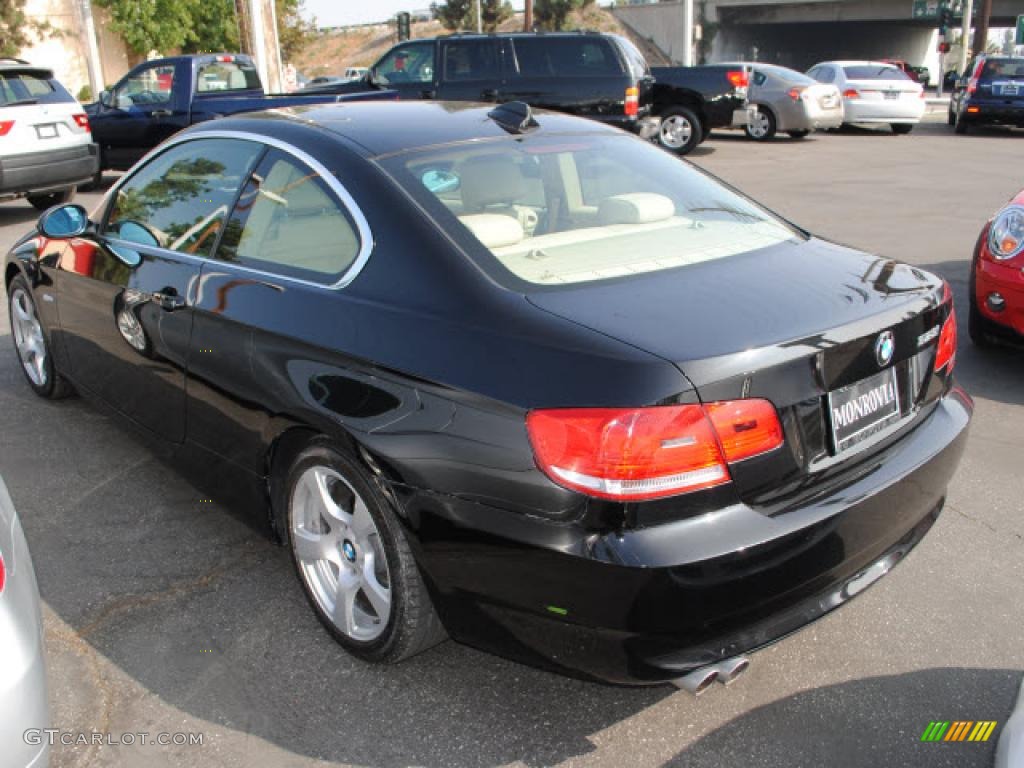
point(46, 148)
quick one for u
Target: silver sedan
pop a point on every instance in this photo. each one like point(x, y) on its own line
point(789, 101)
point(24, 705)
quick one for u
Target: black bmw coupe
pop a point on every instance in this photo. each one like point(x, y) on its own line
point(513, 377)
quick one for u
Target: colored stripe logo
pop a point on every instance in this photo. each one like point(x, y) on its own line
point(958, 730)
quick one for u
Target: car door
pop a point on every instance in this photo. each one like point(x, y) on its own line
point(410, 69)
point(125, 293)
point(147, 106)
point(271, 285)
point(470, 70)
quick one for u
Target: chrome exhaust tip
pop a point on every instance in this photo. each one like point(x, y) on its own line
point(698, 681)
point(730, 669)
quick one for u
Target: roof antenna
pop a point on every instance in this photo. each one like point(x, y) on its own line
point(514, 117)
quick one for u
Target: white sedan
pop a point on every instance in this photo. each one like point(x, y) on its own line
point(874, 92)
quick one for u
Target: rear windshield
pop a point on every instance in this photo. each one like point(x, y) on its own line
point(1004, 69)
point(571, 209)
point(30, 88)
point(221, 76)
point(565, 57)
point(874, 72)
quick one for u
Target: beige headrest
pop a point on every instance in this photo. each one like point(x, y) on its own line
point(493, 229)
point(490, 180)
point(635, 208)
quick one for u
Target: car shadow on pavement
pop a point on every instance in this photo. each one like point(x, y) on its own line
point(870, 722)
point(19, 212)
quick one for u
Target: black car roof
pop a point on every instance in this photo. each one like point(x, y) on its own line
point(385, 127)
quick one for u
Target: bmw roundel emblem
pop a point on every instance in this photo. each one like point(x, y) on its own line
point(885, 345)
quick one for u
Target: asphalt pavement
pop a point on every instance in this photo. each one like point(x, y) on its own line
point(166, 614)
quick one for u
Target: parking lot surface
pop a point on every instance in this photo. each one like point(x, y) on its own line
point(166, 614)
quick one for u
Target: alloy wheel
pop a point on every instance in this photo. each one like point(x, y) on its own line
point(758, 125)
point(28, 337)
point(340, 553)
point(676, 131)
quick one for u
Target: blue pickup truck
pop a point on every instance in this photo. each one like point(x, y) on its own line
point(160, 97)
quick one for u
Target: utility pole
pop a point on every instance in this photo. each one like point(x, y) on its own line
point(528, 17)
point(479, 19)
point(981, 33)
point(687, 33)
point(95, 65)
point(965, 44)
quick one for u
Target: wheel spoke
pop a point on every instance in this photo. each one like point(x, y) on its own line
point(322, 492)
point(362, 523)
point(20, 311)
point(378, 595)
point(310, 547)
point(345, 602)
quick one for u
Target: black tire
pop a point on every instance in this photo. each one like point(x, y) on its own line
point(961, 126)
point(798, 134)
point(54, 386)
point(680, 130)
point(950, 117)
point(766, 127)
point(901, 129)
point(413, 626)
point(50, 199)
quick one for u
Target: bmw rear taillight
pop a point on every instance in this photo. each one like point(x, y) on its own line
point(851, 93)
point(5, 127)
point(632, 101)
point(635, 454)
point(945, 354)
point(738, 78)
point(81, 120)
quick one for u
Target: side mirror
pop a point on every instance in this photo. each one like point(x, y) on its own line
point(64, 221)
point(106, 98)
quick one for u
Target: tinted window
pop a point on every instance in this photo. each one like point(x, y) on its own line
point(1012, 69)
point(410, 63)
point(471, 60)
point(874, 72)
point(180, 199)
point(25, 86)
point(220, 76)
point(569, 209)
point(759, 78)
point(151, 86)
point(565, 57)
point(288, 222)
point(823, 74)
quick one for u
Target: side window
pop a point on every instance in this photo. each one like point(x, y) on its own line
point(288, 222)
point(181, 198)
point(471, 60)
point(148, 87)
point(565, 57)
point(409, 63)
point(759, 78)
point(826, 75)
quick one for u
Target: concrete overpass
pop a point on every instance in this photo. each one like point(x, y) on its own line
point(799, 34)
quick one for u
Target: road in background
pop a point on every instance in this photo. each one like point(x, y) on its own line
point(164, 613)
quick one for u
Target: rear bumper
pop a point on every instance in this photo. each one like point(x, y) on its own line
point(899, 111)
point(995, 113)
point(648, 605)
point(47, 171)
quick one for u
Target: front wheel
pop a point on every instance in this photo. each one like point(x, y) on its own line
point(761, 125)
point(798, 134)
point(680, 130)
point(50, 199)
point(961, 126)
point(950, 117)
point(901, 129)
point(353, 560)
point(31, 344)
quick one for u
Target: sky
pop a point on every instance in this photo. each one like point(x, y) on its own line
point(331, 13)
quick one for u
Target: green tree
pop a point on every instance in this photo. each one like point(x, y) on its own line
point(494, 12)
point(152, 25)
point(16, 28)
point(214, 28)
point(551, 15)
point(452, 14)
point(293, 32)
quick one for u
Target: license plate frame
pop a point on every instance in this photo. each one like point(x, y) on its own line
point(891, 95)
point(1009, 90)
point(47, 130)
point(850, 424)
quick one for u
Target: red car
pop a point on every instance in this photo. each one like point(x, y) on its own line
point(997, 279)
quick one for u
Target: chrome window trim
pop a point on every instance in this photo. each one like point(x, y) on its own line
point(351, 207)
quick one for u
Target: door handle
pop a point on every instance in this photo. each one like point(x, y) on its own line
point(161, 113)
point(167, 301)
point(489, 94)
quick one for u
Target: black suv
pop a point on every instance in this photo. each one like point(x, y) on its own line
point(603, 77)
point(990, 93)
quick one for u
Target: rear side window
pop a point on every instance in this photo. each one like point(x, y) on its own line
point(219, 76)
point(565, 57)
point(181, 198)
point(471, 60)
point(287, 222)
point(874, 72)
point(31, 87)
point(1012, 69)
point(638, 66)
point(823, 74)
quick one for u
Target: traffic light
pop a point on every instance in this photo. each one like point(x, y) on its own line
point(945, 19)
point(403, 26)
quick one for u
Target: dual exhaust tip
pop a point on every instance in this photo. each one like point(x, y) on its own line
point(724, 672)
